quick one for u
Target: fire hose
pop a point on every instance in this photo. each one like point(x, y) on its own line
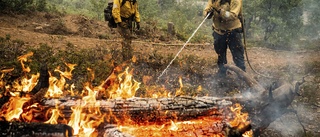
point(241, 17)
point(182, 48)
point(244, 42)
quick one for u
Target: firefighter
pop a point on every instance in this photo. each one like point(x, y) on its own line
point(227, 29)
point(125, 12)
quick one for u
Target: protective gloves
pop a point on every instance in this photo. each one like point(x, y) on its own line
point(122, 25)
point(211, 8)
point(208, 11)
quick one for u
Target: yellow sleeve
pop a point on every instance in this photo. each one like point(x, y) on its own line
point(137, 14)
point(208, 7)
point(235, 9)
point(116, 10)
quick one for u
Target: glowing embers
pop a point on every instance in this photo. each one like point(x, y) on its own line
point(211, 126)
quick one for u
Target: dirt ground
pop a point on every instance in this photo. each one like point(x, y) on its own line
point(57, 31)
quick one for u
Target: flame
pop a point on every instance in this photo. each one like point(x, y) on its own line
point(173, 127)
point(4, 71)
point(86, 115)
point(190, 128)
point(55, 113)
point(128, 86)
point(157, 92)
point(179, 91)
point(24, 58)
point(81, 117)
point(241, 119)
point(66, 74)
point(2, 82)
point(26, 84)
point(14, 108)
point(204, 126)
point(248, 134)
point(57, 86)
point(76, 117)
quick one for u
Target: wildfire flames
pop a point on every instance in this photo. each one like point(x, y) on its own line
point(86, 115)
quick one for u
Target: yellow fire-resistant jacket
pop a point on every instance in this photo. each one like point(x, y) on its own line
point(228, 18)
point(125, 11)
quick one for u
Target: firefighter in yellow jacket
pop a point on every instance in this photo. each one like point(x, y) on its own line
point(124, 13)
point(227, 31)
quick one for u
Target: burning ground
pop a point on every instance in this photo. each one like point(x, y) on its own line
point(79, 42)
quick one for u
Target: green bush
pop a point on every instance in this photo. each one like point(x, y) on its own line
point(22, 6)
point(15, 5)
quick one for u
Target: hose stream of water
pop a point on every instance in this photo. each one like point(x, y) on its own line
point(182, 48)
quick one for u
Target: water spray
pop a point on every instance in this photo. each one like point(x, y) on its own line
point(182, 47)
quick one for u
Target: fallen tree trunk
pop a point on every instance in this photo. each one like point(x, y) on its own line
point(265, 106)
point(162, 110)
point(152, 109)
point(43, 81)
point(19, 129)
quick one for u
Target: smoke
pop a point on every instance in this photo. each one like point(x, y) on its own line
point(289, 124)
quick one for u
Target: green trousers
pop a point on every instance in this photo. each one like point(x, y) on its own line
point(127, 50)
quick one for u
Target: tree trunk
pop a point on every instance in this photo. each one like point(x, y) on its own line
point(19, 129)
point(162, 110)
point(171, 29)
point(153, 110)
point(265, 106)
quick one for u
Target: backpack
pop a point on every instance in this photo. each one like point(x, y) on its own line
point(108, 14)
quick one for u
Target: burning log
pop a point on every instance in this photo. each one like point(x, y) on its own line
point(36, 98)
point(153, 109)
point(215, 112)
point(18, 129)
point(195, 116)
point(265, 106)
point(4, 99)
point(43, 81)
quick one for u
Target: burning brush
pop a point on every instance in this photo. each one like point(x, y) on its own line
point(44, 105)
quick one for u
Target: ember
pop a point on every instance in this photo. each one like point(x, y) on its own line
point(160, 116)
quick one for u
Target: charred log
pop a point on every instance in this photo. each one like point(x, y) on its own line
point(36, 98)
point(19, 129)
point(252, 83)
point(43, 81)
point(151, 109)
point(277, 106)
point(4, 99)
point(159, 111)
point(265, 106)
